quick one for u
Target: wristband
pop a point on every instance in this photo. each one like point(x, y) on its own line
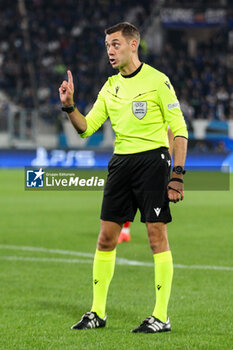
point(69, 109)
point(176, 179)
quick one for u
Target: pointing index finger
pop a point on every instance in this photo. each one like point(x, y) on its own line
point(70, 77)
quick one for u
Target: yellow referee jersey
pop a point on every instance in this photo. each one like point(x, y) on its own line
point(140, 108)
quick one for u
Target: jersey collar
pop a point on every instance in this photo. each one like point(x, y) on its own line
point(134, 73)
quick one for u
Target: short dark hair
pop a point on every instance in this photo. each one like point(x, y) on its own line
point(127, 29)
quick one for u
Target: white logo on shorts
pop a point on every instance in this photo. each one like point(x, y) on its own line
point(139, 109)
point(157, 211)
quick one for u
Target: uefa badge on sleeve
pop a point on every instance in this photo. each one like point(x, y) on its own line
point(35, 178)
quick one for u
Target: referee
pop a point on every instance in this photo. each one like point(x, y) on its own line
point(140, 102)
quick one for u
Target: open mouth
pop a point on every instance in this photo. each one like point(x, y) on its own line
point(112, 61)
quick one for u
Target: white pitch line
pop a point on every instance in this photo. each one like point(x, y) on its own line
point(46, 250)
point(204, 267)
point(59, 260)
point(119, 261)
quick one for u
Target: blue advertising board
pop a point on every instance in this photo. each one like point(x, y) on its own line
point(93, 159)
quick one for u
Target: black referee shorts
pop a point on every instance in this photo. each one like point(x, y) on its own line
point(137, 181)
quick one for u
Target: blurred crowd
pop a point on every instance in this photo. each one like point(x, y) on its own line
point(203, 82)
point(196, 4)
point(69, 34)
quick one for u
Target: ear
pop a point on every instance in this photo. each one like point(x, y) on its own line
point(134, 45)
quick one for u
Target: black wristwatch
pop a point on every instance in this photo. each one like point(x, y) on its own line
point(69, 109)
point(179, 170)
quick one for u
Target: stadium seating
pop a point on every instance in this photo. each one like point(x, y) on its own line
point(61, 37)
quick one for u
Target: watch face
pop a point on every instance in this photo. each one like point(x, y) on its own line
point(179, 169)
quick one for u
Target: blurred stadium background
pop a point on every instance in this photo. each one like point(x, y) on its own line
point(192, 42)
point(47, 238)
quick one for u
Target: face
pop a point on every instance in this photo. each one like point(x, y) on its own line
point(120, 49)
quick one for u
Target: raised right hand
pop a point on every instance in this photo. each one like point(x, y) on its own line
point(66, 91)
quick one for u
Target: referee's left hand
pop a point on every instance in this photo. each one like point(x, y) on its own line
point(175, 191)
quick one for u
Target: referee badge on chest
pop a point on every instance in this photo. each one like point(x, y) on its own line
point(139, 109)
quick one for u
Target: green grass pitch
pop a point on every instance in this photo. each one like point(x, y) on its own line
point(44, 292)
